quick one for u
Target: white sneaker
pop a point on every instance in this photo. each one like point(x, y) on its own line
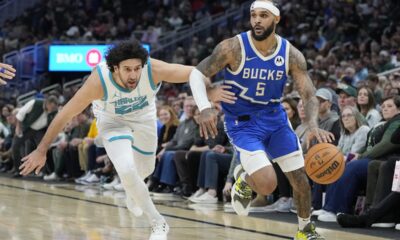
point(110, 186)
point(52, 177)
point(397, 227)
point(206, 198)
point(383, 225)
point(119, 187)
point(84, 177)
point(132, 207)
point(197, 194)
point(92, 179)
point(159, 231)
point(319, 212)
point(327, 217)
point(283, 204)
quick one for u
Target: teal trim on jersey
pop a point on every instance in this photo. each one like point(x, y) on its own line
point(112, 139)
point(153, 86)
point(122, 89)
point(141, 151)
point(103, 84)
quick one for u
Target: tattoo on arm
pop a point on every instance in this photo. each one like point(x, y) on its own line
point(219, 58)
point(304, 85)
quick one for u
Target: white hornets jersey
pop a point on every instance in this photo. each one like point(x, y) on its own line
point(119, 101)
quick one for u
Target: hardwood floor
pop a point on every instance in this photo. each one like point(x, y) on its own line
point(40, 211)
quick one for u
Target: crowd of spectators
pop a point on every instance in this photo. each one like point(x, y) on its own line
point(346, 45)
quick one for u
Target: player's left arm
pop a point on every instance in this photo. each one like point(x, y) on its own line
point(306, 89)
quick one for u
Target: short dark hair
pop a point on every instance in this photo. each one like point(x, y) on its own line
point(125, 50)
point(396, 100)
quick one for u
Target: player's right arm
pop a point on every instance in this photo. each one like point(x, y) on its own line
point(90, 91)
point(222, 56)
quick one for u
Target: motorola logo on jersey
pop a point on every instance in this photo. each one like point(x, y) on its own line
point(262, 74)
point(279, 61)
point(93, 57)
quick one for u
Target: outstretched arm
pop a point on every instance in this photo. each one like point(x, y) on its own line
point(303, 84)
point(169, 72)
point(90, 91)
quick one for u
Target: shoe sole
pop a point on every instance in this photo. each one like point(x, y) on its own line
point(238, 206)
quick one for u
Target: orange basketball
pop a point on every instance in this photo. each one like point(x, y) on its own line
point(324, 163)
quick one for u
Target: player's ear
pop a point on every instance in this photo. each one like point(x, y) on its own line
point(277, 19)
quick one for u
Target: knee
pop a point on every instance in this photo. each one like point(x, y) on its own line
point(212, 156)
point(267, 188)
point(266, 183)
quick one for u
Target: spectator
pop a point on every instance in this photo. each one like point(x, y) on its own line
point(378, 145)
point(373, 84)
point(347, 95)
point(32, 121)
point(290, 107)
point(366, 105)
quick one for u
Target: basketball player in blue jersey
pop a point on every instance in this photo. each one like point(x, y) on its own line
point(122, 91)
point(7, 72)
point(257, 64)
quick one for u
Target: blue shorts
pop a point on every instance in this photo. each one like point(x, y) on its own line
point(267, 130)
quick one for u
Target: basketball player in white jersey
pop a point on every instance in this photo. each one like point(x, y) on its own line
point(122, 91)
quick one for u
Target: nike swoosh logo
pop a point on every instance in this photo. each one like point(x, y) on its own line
point(249, 59)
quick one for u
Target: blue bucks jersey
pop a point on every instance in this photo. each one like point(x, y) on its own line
point(259, 80)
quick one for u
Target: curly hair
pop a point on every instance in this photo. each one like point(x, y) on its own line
point(125, 50)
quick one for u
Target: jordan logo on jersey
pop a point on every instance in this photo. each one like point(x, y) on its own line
point(128, 105)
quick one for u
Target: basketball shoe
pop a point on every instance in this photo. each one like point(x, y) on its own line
point(308, 233)
point(241, 193)
point(159, 230)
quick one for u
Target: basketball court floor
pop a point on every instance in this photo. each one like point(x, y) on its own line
point(34, 210)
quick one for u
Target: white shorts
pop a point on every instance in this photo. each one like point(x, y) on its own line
point(142, 132)
point(254, 161)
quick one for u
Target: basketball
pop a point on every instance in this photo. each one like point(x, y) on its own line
point(324, 163)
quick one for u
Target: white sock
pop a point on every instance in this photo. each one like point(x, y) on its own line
point(303, 222)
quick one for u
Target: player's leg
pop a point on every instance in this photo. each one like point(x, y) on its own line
point(290, 159)
point(259, 172)
point(255, 172)
point(119, 149)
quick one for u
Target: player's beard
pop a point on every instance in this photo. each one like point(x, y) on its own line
point(265, 34)
point(125, 83)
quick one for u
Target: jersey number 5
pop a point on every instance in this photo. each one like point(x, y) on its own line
point(260, 89)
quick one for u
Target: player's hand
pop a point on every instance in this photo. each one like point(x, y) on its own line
point(33, 162)
point(227, 189)
point(6, 72)
point(221, 93)
point(208, 123)
point(321, 135)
